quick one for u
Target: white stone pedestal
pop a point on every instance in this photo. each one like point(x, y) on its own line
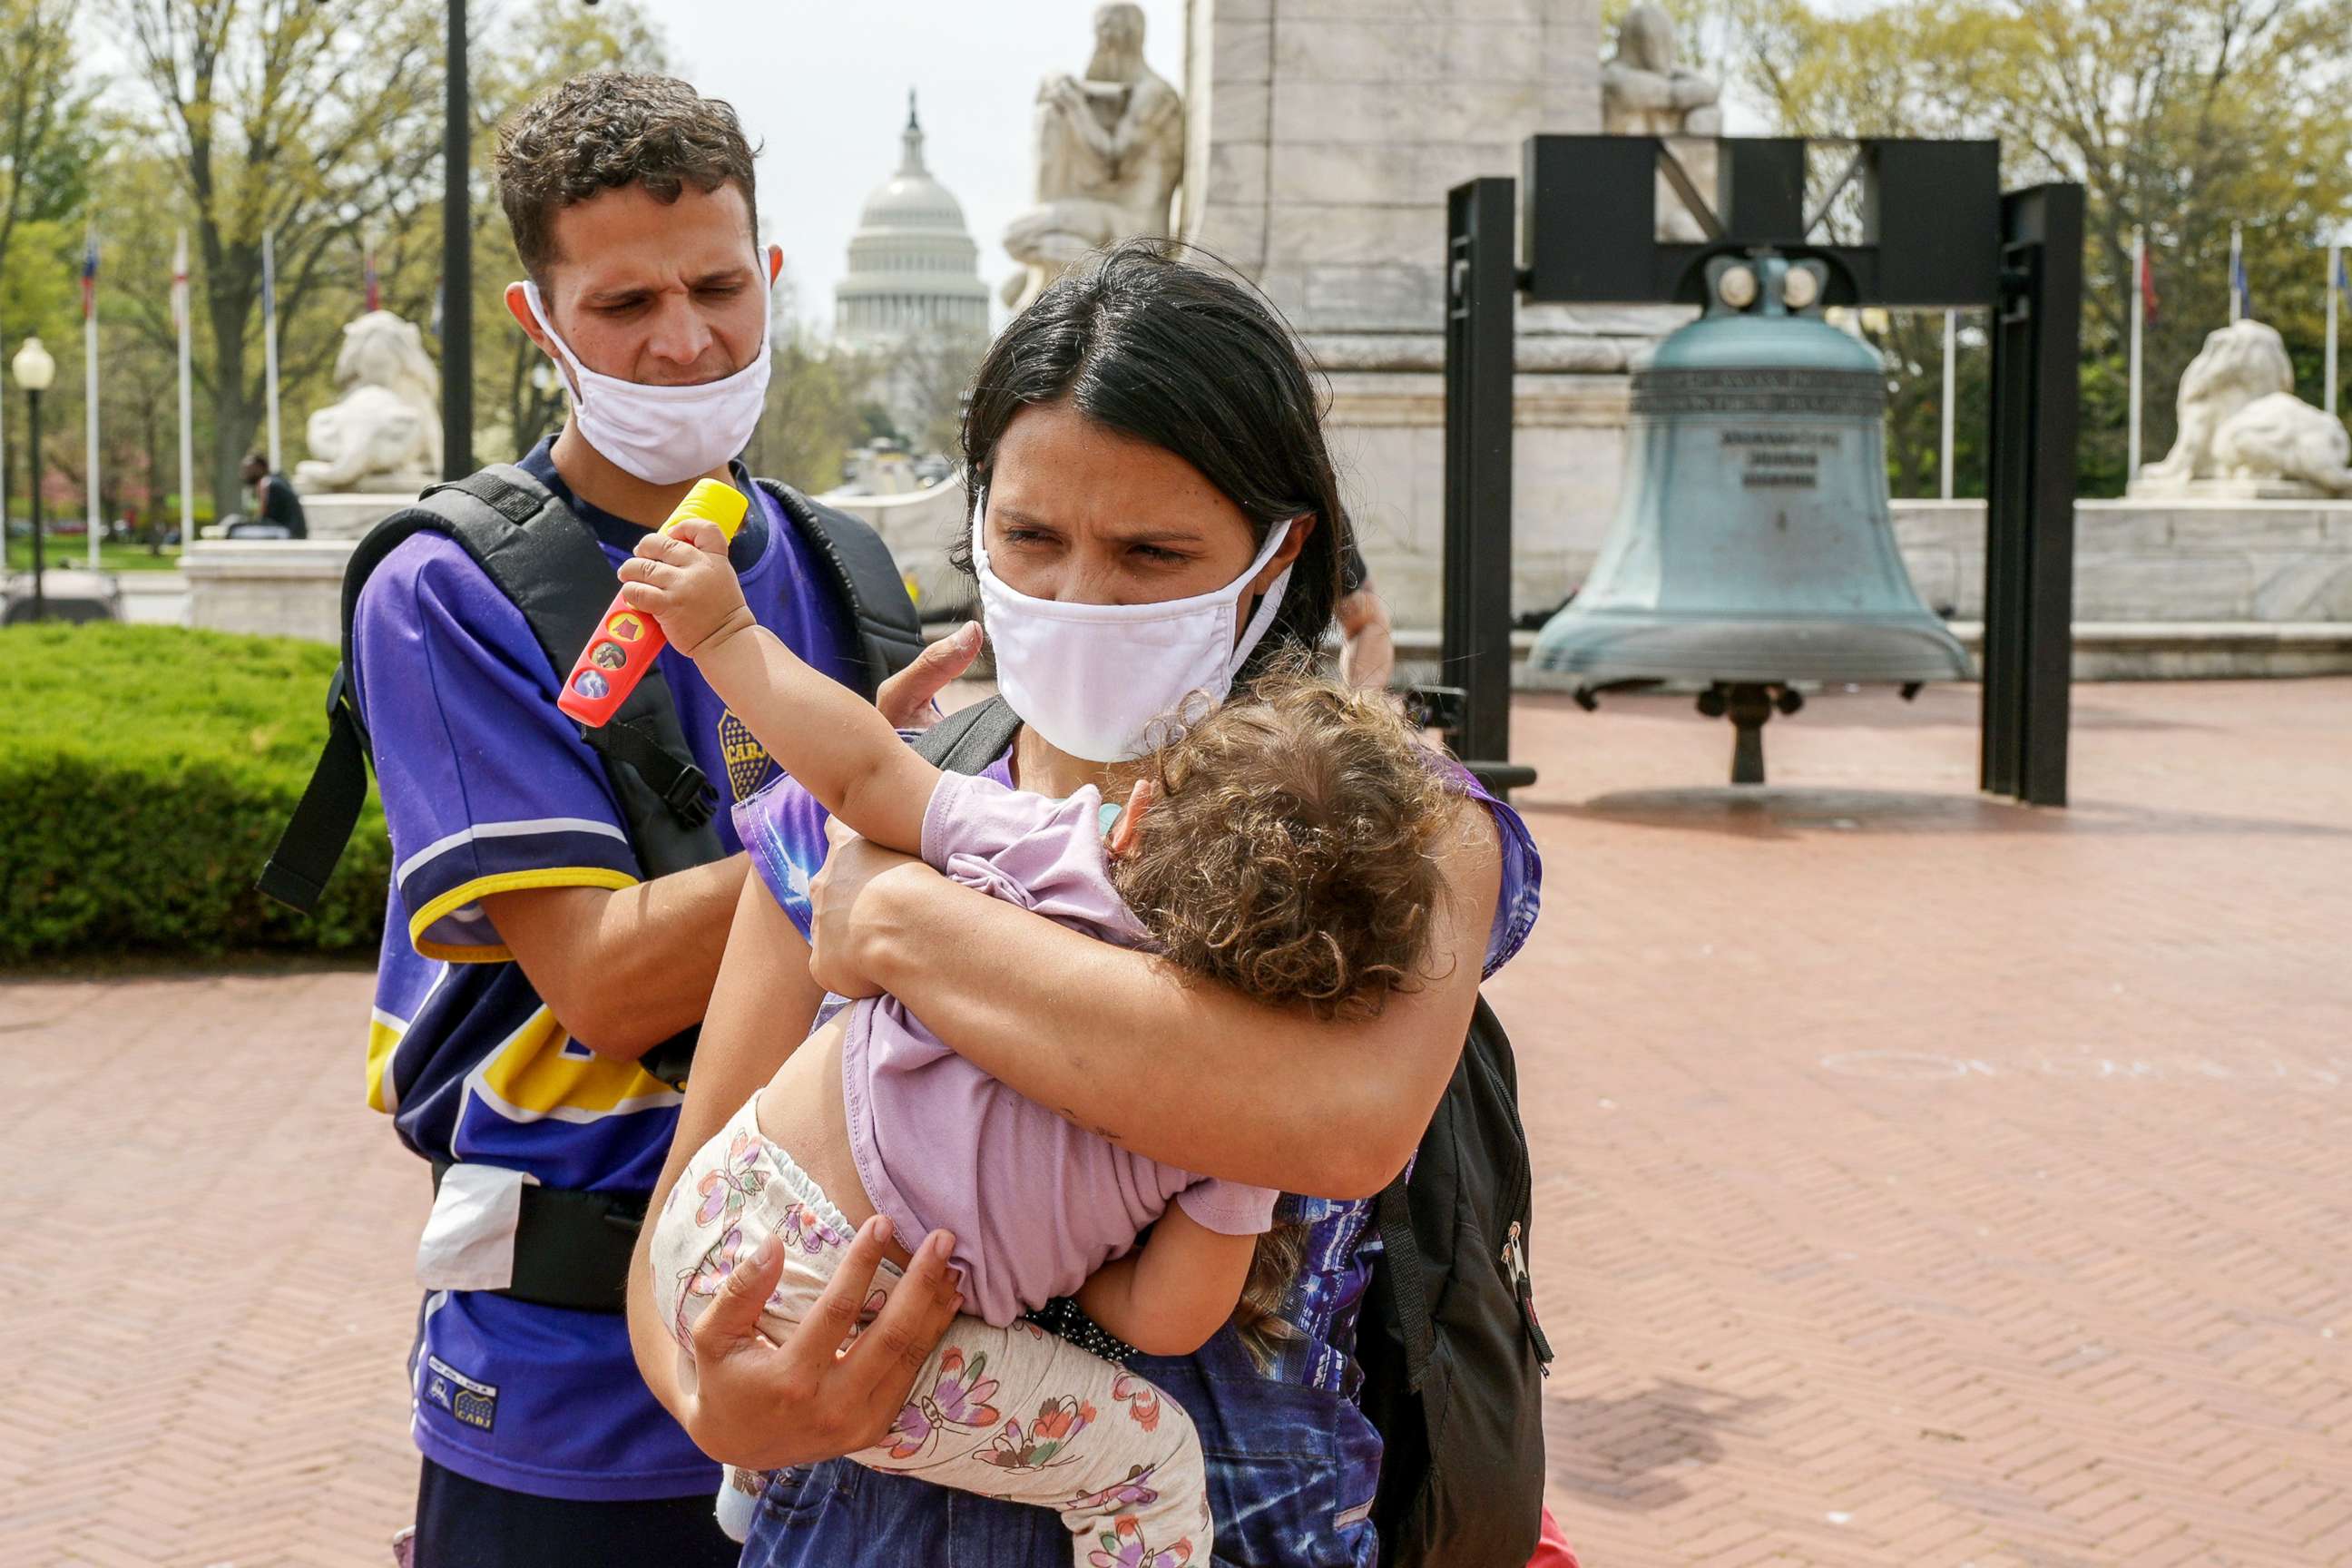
point(1323, 137)
point(348, 516)
point(288, 587)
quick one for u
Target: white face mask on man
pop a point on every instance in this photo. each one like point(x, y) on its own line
point(1091, 678)
point(663, 435)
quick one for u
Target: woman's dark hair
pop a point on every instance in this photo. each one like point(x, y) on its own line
point(1197, 362)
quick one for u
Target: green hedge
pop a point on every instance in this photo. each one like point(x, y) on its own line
point(144, 774)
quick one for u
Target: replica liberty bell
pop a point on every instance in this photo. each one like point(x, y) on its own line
point(1752, 551)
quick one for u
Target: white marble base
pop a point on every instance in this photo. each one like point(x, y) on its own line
point(348, 516)
point(1387, 436)
point(2103, 650)
point(2146, 490)
point(284, 588)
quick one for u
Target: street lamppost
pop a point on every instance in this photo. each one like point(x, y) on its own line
point(456, 264)
point(34, 370)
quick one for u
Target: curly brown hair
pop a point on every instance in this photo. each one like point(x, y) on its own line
point(603, 130)
point(1291, 851)
point(1288, 850)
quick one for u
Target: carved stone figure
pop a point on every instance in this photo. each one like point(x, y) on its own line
point(383, 434)
point(2244, 431)
point(1645, 93)
point(1110, 152)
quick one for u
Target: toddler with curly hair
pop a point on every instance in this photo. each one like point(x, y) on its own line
point(1281, 843)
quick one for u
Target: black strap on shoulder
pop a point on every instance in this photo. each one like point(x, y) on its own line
point(1407, 1276)
point(297, 872)
point(968, 740)
point(539, 555)
point(889, 634)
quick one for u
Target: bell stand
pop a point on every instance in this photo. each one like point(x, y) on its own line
point(1938, 231)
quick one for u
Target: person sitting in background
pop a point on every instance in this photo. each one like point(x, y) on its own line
point(275, 504)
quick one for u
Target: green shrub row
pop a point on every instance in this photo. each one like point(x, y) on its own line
point(145, 773)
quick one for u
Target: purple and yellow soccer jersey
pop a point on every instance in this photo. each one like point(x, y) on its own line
point(488, 788)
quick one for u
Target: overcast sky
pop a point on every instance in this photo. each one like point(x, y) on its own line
point(824, 87)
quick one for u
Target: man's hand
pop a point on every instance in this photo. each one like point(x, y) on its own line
point(905, 696)
point(762, 1406)
point(682, 578)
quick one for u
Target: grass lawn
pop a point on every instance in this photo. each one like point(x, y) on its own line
point(75, 552)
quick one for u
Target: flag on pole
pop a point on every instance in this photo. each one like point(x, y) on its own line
point(181, 317)
point(2241, 302)
point(269, 339)
point(374, 292)
point(2343, 279)
point(97, 523)
point(2147, 299)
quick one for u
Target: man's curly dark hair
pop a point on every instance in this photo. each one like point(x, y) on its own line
point(602, 130)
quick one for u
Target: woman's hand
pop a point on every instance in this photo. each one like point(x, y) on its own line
point(759, 1404)
point(855, 906)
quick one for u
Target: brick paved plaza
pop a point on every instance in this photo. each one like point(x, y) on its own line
point(1921, 1180)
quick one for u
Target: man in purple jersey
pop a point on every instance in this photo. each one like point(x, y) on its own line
point(528, 962)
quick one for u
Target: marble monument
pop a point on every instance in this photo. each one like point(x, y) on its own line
point(2243, 431)
point(1109, 154)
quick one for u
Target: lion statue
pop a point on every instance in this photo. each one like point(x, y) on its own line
point(384, 432)
point(2241, 421)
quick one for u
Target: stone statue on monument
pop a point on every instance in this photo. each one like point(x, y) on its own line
point(382, 435)
point(1645, 93)
point(2243, 433)
point(1110, 152)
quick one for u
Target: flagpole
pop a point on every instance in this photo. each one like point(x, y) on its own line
point(2237, 299)
point(2138, 313)
point(89, 389)
point(187, 427)
point(2333, 247)
point(269, 341)
point(1950, 336)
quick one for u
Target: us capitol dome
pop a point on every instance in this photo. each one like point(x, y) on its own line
point(913, 267)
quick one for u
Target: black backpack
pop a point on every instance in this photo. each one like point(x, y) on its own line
point(1453, 1359)
point(540, 555)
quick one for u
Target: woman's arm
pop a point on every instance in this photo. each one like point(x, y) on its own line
point(750, 1402)
point(1173, 1068)
point(1170, 1294)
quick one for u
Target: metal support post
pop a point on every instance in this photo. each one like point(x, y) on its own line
point(1481, 296)
point(2030, 512)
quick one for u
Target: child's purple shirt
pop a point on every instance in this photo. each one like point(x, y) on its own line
point(1035, 1204)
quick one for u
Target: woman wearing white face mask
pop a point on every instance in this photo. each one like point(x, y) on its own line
point(1158, 518)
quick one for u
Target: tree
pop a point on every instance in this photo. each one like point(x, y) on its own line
point(44, 144)
point(810, 420)
point(317, 124)
point(2179, 116)
point(513, 383)
point(926, 375)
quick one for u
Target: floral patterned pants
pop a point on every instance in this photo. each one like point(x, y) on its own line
point(1012, 1413)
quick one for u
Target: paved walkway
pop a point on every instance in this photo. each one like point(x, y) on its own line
point(1922, 1181)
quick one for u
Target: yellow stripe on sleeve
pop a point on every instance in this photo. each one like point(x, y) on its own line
point(457, 897)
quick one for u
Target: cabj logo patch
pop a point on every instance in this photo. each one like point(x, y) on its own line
point(474, 1403)
point(747, 760)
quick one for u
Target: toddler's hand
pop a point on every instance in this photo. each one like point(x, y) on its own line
point(683, 580)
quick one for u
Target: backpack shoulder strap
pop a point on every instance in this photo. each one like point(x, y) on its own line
point(968, 740)
point(539, 555)
point(1407, 1280)
point(889, 634)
